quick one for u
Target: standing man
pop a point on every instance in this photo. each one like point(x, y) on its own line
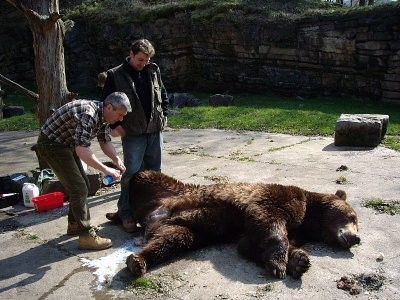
point(101, 80)
point(65, 140)
point(140, 130)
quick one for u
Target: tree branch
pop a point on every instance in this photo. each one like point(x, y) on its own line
point(13, 3)
point(19, 88)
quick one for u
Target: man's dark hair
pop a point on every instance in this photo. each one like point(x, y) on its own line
point(144, 46)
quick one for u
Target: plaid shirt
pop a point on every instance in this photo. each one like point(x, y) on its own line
point(77, 123)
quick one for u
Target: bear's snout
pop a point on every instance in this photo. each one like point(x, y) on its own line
point(348, 238)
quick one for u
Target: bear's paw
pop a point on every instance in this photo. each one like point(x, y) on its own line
point(277, 269)
point(136, 264)
point(298, 263)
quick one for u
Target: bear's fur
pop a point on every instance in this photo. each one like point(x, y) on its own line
point(270, 220)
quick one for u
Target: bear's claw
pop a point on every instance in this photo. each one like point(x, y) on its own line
point(136, 265)
point(298, 263)
point(279, 273)
point(277, 269)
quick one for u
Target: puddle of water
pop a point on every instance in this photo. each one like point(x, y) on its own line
point(106, 267)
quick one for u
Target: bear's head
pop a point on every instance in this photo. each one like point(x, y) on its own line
point(339, 221)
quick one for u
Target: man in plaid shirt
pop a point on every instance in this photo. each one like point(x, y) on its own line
point(65, 140)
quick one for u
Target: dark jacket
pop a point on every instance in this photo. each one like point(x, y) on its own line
point(149, 111)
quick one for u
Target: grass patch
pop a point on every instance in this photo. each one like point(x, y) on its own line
point(310, 117)
point(27, 121)
point(341, 180)
point(392, 142)
point(267, 288)
point(382, 206)
point(144, 283)
point(27, 235)
point(269, 113)
point(217, 179)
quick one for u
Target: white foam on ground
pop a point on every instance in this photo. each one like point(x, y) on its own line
point(107, 266)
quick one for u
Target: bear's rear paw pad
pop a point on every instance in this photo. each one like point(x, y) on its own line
point(298, 263)
point(136, 265)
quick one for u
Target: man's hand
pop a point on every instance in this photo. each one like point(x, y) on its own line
point(120, 165)
point(117, 131)
point(114, 173)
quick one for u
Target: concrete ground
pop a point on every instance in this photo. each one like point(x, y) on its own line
point(39, 261)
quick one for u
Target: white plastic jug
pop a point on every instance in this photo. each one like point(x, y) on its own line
point(29, 190)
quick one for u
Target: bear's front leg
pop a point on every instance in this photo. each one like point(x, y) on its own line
point(275, 254)
point(166, 242)
point(267, 229)
point(136, 264)
point(298, 262)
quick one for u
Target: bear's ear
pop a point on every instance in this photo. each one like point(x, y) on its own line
point(341, 194)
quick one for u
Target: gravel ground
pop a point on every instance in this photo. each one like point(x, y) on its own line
point(38, 261)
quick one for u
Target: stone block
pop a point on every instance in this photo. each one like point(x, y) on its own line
point(360, 130)
point(381, 118)
point(220, 100)
point(12, 110)
point(183, 99)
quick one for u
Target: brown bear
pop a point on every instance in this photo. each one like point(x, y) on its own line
point(270, 221)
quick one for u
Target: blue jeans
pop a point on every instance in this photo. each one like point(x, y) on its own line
point(141, 152)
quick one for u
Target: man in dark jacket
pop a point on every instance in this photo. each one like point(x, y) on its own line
point(141, 129)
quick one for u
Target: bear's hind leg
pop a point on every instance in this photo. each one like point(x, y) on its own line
point(166, 242)
point(298, 262)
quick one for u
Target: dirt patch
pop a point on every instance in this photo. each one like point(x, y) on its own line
point(8, 224)
point(355, 284)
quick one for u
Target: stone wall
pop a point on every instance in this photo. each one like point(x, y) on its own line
point(91, 48)
point(354, 54)
point(16, 51)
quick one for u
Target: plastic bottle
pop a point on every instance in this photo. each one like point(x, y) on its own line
point(29, 190)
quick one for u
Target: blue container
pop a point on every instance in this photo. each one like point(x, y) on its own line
point(107, 180)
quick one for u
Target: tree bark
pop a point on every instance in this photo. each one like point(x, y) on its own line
point(1, 103)
point(48, 35)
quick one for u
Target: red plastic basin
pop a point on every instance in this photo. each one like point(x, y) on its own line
point(48, 201)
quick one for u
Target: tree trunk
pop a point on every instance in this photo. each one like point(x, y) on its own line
point(48, 35)
point(1, 103)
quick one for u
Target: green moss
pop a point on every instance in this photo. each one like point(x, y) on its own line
point(341, 180)
point(144, 283)
point(392, 142)
point(391, 208)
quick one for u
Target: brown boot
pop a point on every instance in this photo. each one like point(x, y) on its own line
point(73, 229)
point(114, 217)
point(94, 242)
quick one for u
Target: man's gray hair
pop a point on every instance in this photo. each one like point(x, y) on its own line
point(118, 100)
